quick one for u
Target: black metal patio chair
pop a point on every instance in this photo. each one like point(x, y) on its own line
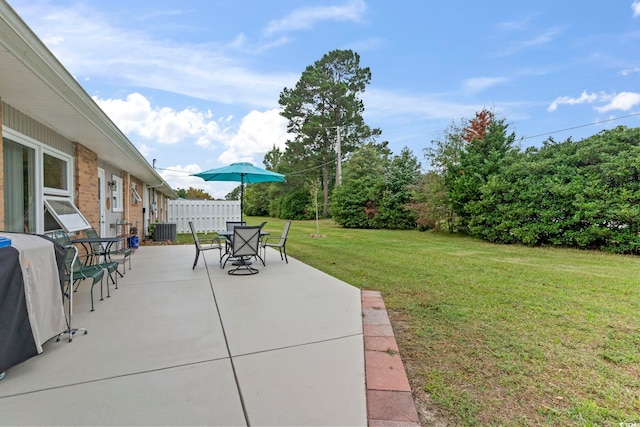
point(244, 246)
point(279, 243)
point(75, 268)
point(214, 243)
point(99, 253)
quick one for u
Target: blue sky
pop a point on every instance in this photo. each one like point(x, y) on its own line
point(194, 84)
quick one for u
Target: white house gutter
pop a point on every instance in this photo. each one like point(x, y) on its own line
point(92, 127)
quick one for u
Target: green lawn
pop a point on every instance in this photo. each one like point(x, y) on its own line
point(495, 334)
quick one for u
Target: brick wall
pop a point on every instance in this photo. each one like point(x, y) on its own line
point(136, 215)
point(86, 184)
point(86, 188)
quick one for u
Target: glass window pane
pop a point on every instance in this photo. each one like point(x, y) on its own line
point(19, 187)
point(55, 172)
point(116, 194)
point(50, 223)
point(66, 214)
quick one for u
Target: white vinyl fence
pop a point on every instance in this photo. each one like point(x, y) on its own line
point(207, 215)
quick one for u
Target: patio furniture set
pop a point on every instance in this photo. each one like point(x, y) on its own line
point(102, 255)
point(242, 244)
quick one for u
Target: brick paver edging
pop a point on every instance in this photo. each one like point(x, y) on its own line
point(389, 399)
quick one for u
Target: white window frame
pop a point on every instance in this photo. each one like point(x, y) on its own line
point(69, 172)
point(117, 204)
point(70, 222)
point(135, 197)
point(42, 192)
point(31, 143)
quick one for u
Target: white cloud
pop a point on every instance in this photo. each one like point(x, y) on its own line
point(543, 38)
point(478, 84)
point(307, 17)
point(566, 100)
point(144, 149)
point(629, 71)
point(259, 132)
point(90, 45)
point(135, 115)
point(410, 107)
point(635, 6)
point(520, 25)
point(179, 176)
point(623, 101)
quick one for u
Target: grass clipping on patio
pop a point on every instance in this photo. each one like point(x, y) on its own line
point(497, 334)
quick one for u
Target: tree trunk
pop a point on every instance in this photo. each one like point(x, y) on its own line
point(325, 190)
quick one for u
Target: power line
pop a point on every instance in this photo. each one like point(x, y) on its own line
point(172, 170)
point(302, 172)
point(581, 126)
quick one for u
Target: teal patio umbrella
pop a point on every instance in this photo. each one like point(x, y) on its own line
point(244, 173)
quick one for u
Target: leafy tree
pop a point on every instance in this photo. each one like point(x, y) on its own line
point(193, 194)
point(401, 174)
point(272, 159)
point(479, 161)
point(446, 151)
point(323, 109)
point(430, 203)
point(234, 194)
point(375, 190)
point(430, 200)
point(257, 199)
point(355, 203)
point(478, 126)
point(292, 205)
point(583, 194)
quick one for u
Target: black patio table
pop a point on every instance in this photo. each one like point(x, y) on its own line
point(229, 234)
point(107, 241)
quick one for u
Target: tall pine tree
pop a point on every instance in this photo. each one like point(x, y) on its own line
point(323, 110)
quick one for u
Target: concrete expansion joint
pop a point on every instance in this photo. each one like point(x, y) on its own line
point(389, 398)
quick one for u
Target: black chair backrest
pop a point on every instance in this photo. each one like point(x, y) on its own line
point(233, 224)
point(246, 240)
point(285, 230)
point(96, 247)
point(71, 259)
point(194, 234)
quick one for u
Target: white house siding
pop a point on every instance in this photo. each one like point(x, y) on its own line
point(26, 125)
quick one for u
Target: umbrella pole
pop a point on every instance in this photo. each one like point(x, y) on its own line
point(241, 195)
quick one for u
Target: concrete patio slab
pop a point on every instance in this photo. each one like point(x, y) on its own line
point(197, 394)
point(288, 306)
point(316, 384)
point(141, 328)
point(176, 346)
